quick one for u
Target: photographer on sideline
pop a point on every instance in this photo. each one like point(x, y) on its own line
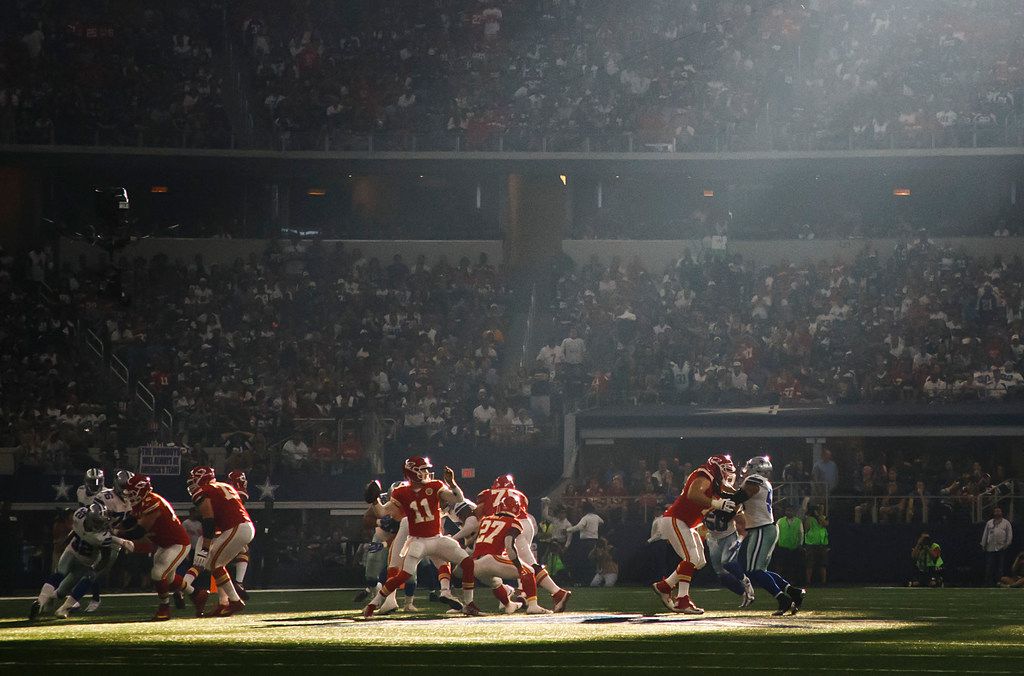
point(927, 556)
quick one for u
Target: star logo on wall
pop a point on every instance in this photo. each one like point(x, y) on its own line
point(61, 490)
point(267, 489)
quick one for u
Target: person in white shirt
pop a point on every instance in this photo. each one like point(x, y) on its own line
point(995, 540)
point(588, 526)
point(295, 451)
point(574, 349)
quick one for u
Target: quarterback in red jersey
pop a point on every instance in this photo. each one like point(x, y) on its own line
point(496, 535)
point(487, 502)
point(702, 492)
point(155, 518)
point(419, 501)
point(227, 528)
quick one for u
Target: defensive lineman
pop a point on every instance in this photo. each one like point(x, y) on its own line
point(755, 494)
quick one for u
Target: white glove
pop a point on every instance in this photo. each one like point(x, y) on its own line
point(201, 558)
point(723, 504)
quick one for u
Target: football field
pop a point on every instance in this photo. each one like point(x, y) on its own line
point(861, 630)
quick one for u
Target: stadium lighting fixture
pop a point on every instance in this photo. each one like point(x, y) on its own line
point(901, 192)
point(316, 192)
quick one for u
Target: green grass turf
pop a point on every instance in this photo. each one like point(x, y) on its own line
point(873, 630)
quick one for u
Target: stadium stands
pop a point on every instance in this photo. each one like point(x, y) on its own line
point(588, 75)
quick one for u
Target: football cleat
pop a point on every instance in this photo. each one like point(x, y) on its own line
point(223, 610)
point(685, 606)
point(511, 607)
point(410, 607)
point(536, 609)
point(236, 606)
point(179, 600)
point(361, 596)
point(93, 606)
point(664, 593)
point(785, 605)
point(748, 593)
point(471, 609)
point(368, 611)
point(62, 612)
point(446, 598)
point(242, 591)
point(390, 605)
point(796, 594)
point(163, 612)
point(33, 612)
point(561, 599)
point(199, 597)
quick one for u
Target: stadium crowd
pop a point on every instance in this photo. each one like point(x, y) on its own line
point(678, 75)
point(114, 73)
point(925, 324)
point(700, 75)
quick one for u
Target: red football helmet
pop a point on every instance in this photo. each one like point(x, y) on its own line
point(240, 482)
point(137, 489)
point(508, 504)
point(417, 469)
point(722, 469)
point(504, 481)
point(199, 476)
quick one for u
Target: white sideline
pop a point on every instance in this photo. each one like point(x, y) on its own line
point(128, 595)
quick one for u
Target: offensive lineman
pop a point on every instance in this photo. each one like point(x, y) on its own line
point(163, 533)
point(227, 529)
point(678, 525)
point(724, 530)
point(755, 494)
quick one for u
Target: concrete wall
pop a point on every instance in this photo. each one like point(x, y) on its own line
point(655, 254)
point(224, 251)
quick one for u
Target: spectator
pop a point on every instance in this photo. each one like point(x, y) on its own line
point(817, 544)
point(295, 452)
point(824, 474)
point(995, 540)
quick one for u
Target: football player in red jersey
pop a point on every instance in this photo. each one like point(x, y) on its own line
point(227, 528)
point(487, 502)
point(159, 527)
point(702, 492)
point(419, 500)
point(497, 535)
point(238, 479)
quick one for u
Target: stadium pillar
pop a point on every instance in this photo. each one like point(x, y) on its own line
point(20, 208)
point(538, 211)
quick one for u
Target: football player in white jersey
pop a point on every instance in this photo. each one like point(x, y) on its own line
point(94, 490)
point(90, 551)
point(755, 494)
point(724, 538)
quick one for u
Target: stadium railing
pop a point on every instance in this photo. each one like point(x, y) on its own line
point(755, 136)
